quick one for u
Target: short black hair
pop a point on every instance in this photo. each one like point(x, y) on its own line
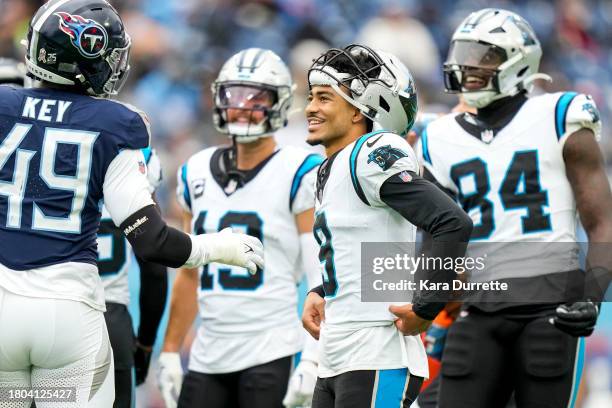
point(348, 59)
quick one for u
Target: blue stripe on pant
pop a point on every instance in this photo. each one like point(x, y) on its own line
point(390, 387)
point(577, 372)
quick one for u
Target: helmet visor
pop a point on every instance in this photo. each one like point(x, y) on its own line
point(475, 54)
point(234, 96)
point(472, 66)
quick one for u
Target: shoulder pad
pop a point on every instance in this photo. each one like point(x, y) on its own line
point(377, 156)
point(576, 111)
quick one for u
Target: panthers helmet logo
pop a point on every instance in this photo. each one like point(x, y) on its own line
point(385, 156)
point(592, 110)
point(88, 36)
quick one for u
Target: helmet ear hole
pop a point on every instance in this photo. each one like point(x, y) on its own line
point(384, 104)
point(357, 86)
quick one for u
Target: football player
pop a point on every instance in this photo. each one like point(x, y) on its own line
point(369, 189)
point(64, 148)
point(114, 261)
point(249, 329)
point(520, 166)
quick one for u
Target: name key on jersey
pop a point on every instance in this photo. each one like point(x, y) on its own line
point(46, 110)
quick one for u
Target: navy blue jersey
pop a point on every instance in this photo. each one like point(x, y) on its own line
point(55, 148)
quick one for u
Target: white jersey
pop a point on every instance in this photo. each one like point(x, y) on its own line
point(514, 184)
point(247, 320)
point(114, 251)
point(361, 335)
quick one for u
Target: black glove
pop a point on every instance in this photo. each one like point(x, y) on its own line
point(142, 359)
point(577, 319)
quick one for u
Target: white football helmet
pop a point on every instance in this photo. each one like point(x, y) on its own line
point(494, 53)
point(253, 80)
point(380, 85)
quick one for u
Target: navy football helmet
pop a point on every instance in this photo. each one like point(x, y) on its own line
point(80, 44)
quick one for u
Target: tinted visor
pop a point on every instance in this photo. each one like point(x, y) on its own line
point(245, 97)
point(475, 54)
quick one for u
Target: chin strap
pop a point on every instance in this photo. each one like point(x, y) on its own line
point(527, 83)
point(231, 167)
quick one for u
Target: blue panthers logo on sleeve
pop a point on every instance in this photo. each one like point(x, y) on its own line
point(589, 107)
point(385, 156)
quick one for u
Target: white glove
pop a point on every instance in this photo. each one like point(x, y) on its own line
point(169, 377)
point(301, 385)
point(226, 247)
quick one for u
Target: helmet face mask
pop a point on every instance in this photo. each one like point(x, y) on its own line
point(341, 65)
point(119, 63)
point(79, 44)
point(252, 95)
point(472, 66)
point(245, 107)
point(494, 53)
point(376, 83)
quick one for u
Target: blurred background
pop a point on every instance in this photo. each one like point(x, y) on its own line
point(179, 46)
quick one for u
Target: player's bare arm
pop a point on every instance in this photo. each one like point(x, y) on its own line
point(183, 310)
point(314, 313)
point(314, 307)
point(183, 302)
point(586, 173)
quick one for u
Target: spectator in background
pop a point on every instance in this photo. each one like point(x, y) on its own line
point(300, 60)
point(14, 18)
point(397, 32)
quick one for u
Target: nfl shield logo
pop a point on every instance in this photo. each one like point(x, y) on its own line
point(486, 136)
point(141, 167)
point(405, 176)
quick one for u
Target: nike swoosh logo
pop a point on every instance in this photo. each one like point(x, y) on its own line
point(373, 142)
point(248, 250)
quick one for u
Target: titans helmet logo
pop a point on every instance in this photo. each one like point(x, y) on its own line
point(385, 156)
point(88, 36)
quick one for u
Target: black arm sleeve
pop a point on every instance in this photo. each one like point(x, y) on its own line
point(153, 240)
point(427, 207)
point(318, 290)
point(431, 178)
point(153, 294)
